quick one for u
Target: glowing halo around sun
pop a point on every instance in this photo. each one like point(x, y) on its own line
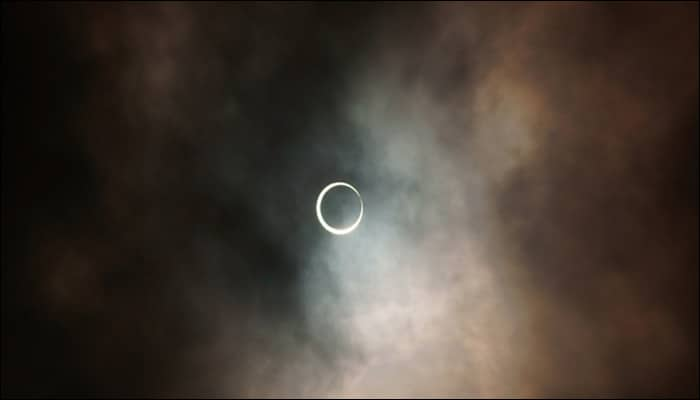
point(324, 224)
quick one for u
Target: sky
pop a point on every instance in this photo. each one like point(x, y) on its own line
point(528, 172)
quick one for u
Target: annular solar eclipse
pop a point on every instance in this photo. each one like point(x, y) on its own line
point(319, 213)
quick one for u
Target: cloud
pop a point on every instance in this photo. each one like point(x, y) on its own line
point(528, 225)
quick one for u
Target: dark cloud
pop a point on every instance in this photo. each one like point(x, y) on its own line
point(529, 174)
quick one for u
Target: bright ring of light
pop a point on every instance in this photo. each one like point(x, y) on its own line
point(324, 224)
